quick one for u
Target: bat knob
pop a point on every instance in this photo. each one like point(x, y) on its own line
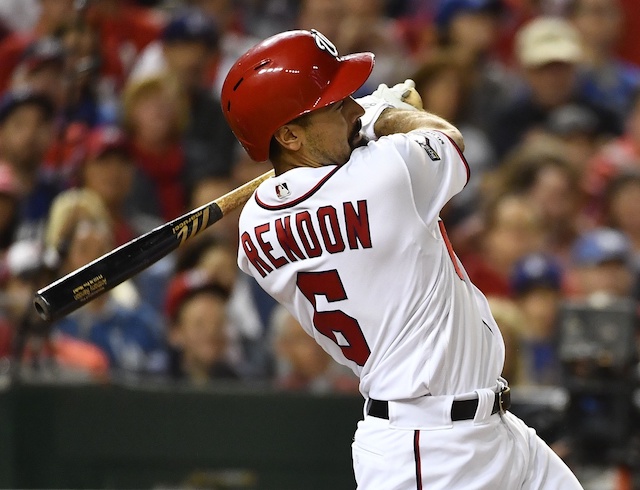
point(42, 307)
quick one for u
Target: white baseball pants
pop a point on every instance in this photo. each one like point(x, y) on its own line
point(491, 452)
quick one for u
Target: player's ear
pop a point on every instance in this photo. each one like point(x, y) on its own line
point(289, 136)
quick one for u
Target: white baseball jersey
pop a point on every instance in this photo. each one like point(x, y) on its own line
point(358, 254)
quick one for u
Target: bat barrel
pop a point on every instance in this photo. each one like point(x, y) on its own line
point(85, 284)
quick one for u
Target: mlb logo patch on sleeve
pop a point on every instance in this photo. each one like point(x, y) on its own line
point(282, 190)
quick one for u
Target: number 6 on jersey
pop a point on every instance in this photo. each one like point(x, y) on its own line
point(330, 323)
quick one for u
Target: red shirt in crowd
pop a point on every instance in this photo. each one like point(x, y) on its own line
point(165, 170)
point(124, 30)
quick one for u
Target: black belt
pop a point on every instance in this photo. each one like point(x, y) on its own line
point(460, 410)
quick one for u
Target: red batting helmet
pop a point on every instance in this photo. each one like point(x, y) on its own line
point(283, 77)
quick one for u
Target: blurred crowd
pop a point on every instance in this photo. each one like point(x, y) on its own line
point(110, 125)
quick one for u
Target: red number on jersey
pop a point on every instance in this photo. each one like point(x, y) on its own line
point(454, 259)
point(334, 322)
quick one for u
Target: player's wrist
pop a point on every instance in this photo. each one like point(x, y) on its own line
point(373, 108)
point(380, 100)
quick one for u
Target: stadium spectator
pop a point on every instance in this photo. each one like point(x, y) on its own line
point(42, 69)
point(198, 333)
point(602, 265)
point(124, 29)
point(185, 47)
point(326, 17)
point(86, 100)
point(470, 29)
point(301, 364)
point(26, 120)
point(9, 199)
point(512, 228)
point(18, 15)
point(9, 202)
point(188, 42)
point(265, 18)
point(210, 256)
point(576, 130)
point(10, 195)
point(539, 170)
point(605, 79)
point(629, 42)
point(52, 16)
point(155, 118)
point(549, 52)
point(536, 282)
point(234, 38)
point(471, 26)
point(621, 210)
point(127, 330)
point(32, 346)
point(364, 27)
point(619, 155)
point(108, 170)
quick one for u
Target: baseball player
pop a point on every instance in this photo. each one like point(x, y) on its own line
point(347, 237)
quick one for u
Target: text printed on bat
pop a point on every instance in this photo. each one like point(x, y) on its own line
point(89, 288)
point(191, 226)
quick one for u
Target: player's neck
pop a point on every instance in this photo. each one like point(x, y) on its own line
point(290, 161)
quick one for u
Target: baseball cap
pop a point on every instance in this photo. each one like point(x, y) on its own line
point(187, 284)
point(103, 139)
point(448, 9)
point(548, 39)
point(41, 51)
point(191, 25)
point(536, 271)
point(17, 98)
point(601, 245)
point(27, 257)
point(570, 119)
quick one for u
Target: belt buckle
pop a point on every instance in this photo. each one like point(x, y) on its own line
point(506, 391)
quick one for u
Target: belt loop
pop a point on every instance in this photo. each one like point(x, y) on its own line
point(486, 400)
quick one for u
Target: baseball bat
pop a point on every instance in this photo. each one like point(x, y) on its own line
point(99, 276)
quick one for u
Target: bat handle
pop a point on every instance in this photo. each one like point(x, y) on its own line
point(239, 196)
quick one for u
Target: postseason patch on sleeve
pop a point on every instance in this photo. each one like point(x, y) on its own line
point(423, 140)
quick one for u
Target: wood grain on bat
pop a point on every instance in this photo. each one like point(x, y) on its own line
point(239, 196)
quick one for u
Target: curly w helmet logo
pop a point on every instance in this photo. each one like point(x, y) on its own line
point(323, 43)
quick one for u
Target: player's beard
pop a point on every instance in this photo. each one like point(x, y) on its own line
point(356, 139)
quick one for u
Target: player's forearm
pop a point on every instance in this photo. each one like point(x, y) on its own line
point(393, 121)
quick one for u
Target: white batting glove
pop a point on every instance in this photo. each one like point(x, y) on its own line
point(379, 100)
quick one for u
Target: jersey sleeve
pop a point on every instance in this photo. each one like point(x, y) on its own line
point(437, 169)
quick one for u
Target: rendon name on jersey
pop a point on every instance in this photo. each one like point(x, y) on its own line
point(358, 254)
